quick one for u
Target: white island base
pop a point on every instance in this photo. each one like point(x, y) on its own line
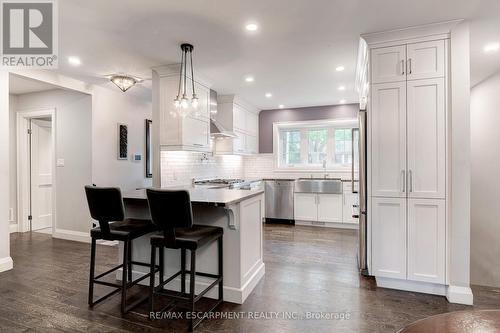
point(242, 247)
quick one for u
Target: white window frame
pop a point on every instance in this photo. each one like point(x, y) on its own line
point(304, 126)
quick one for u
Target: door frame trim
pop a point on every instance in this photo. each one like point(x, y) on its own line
point(23, 169)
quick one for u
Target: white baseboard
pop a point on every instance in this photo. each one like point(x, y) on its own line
point(231, 294)
point(13, 227)
point(6, 264)
point(77, 236)
point(415, 286)
point(460, 295)
point(328, 224)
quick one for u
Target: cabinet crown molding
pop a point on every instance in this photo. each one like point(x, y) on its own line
point(440, 30)
point(232, 98)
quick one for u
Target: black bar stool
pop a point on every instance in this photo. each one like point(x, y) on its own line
point(171, 212)
point(106, 205)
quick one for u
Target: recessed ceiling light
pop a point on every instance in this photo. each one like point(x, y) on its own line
point(342, 101)
point(269, 95)
point(251, 27)
point(281, 106)
point(491, 47)
point(339, 68)
point(249, 79)
point(75, 61)
point(341, 88)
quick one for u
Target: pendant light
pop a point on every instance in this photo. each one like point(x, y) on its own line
point(182, 102)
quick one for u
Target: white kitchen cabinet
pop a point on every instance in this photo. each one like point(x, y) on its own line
point(388, 64)
point(388, 139)
point(425, 60)
point(305, 207)
point(349, 200)
point(190, 133)
point(252, 122)
point(426, 139)
point(237, 116)
point(408, 165)
point(329, 207)
point(388, 218)
point(252, 144)
point(426, 245)
point(196, 132)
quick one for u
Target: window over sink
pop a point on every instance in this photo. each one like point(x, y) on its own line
point(314, 145)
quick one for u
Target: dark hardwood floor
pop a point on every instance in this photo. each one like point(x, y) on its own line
point(308, 270)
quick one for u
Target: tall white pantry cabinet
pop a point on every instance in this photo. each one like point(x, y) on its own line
point(407, 165)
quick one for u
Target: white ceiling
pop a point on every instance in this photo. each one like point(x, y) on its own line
point(20, 85)
point(293, 55)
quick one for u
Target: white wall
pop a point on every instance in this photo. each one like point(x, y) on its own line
point(74, 145)
point(485, 187)
point(5, 259)
point(12, 160)
point(90, 121)
point(459, 208)
point(111, 107)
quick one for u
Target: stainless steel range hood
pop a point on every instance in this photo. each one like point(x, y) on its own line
point(216, 129)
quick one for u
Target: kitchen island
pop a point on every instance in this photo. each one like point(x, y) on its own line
point(239, 212)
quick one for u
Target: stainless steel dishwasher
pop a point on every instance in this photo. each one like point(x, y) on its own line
point(279, 200)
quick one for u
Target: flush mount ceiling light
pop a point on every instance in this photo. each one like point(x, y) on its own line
point(74, 61)
point(124, 81)
point(342, 101)
point(341, 88)
point(181, 101)
point(269, 95)
point(249, 79)
point(339, 68)
point(281, 106)
point(251, 27)
point(491, 47)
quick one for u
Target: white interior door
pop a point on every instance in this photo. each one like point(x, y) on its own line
point(388, 140)
point(41, 173)
point(426, 139)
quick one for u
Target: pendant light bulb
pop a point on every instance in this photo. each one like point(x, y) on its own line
point(177, 102)
point(194, 101)
point(184, 102)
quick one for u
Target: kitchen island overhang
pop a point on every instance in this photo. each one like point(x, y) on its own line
point(239, 212)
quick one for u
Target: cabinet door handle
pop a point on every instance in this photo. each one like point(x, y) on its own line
point(317, 199)
point(402, 67)
point(403, 181)
point(410, 182)
point(409, 66)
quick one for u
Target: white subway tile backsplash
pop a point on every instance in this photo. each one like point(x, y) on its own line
point(180, 167)
point(262, 166)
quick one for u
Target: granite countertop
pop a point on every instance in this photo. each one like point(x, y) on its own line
point(204, 196)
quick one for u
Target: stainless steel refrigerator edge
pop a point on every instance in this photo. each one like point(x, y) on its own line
point(362, 231)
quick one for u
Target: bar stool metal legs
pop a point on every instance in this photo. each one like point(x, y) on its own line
point(191, 298)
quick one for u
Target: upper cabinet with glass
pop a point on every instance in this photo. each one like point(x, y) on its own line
point(189, 131)
point(312, 145)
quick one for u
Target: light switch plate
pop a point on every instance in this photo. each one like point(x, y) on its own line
point(60, 162)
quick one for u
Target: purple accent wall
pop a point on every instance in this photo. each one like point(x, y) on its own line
point(268, 117)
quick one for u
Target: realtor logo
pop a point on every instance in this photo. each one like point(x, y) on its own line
point(29, 33)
